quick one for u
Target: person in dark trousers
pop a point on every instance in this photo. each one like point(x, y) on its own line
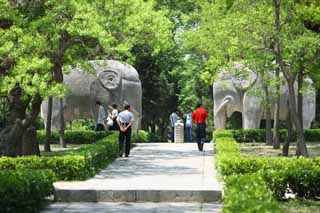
point(101, 117)
point(114, 115)
point(199, 117)
point(125, 120)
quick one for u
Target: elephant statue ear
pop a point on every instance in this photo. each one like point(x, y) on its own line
point(110, 79)
point(243, 77)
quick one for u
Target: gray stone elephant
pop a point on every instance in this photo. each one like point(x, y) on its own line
point(109, 82)
point(241, 91)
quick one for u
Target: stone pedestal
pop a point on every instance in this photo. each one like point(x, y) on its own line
point(179, 132)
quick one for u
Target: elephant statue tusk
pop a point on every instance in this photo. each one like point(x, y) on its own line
point(225, 102)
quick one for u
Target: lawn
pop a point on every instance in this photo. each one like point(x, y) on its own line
point(303, 206)
point(261, 149)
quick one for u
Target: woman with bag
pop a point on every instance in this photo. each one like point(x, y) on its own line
point(112, 118)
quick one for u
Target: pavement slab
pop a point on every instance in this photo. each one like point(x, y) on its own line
point(177, 174)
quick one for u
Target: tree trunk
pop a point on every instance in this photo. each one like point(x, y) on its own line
point(11, 135)
point(30, 143)
point(277, 50)
point(268, 116)
point(47, 145)
point(11, 138)
point(286, 145)
point(301, 145)
point(62, 124)
point(300, 95)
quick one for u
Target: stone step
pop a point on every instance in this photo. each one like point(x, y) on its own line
point(89, 195)
point(103, 207)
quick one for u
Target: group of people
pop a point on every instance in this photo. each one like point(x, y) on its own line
point(198, 117)
point(117, 121)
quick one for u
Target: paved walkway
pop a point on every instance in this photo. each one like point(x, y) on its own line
point(156, 172)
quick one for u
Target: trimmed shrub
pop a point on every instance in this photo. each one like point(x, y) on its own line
point(259, 135)
point(312, 135)
point(140, 137)
point(75, 137)
point(88, 137)
point(248, 193)
point(300, 176)
point(25, 190)
point(76, 164)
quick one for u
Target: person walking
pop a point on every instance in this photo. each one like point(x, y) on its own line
point(101, 117)
point(125, 120)
point(173, 120)
point(188, 125)
point(199, 117)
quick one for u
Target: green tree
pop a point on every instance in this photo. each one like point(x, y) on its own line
point(24, 76)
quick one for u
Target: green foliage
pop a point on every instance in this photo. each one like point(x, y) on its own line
point(76, 164)
point(312, 134)
point(74, 137)
point(88, 136)
point(259, 135)
point(81, 124)
point(25, 190)
point(140, 137)
point(248, 193)
point(299, 176)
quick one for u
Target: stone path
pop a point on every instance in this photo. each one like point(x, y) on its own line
point(156, 172)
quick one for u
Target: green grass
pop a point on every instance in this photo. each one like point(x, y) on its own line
point(300, 206)
point(261, 149)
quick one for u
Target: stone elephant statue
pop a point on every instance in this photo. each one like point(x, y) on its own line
point(110, 82)
point(233, 92)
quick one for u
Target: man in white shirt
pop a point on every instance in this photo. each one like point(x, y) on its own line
point(125, 120)
point(101, 117)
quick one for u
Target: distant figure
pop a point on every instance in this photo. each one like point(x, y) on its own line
point(173, 120)
point(101, 117)
point(125, 120)
point(113, 116)
point(188, 125)
point(199, 117)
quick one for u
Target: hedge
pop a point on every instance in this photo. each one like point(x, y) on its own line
point(300, 176)
point(25, 190)
point(88, 136)
point(248, 193)
point(74, 137)
point(76, 164)
point(259, 135)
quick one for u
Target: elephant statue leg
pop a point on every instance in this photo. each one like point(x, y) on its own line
point(252, 112)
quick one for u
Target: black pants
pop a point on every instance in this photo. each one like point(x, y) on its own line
point(99, 127)
point(201, 135)
point(115, 125)
point(125, 137)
